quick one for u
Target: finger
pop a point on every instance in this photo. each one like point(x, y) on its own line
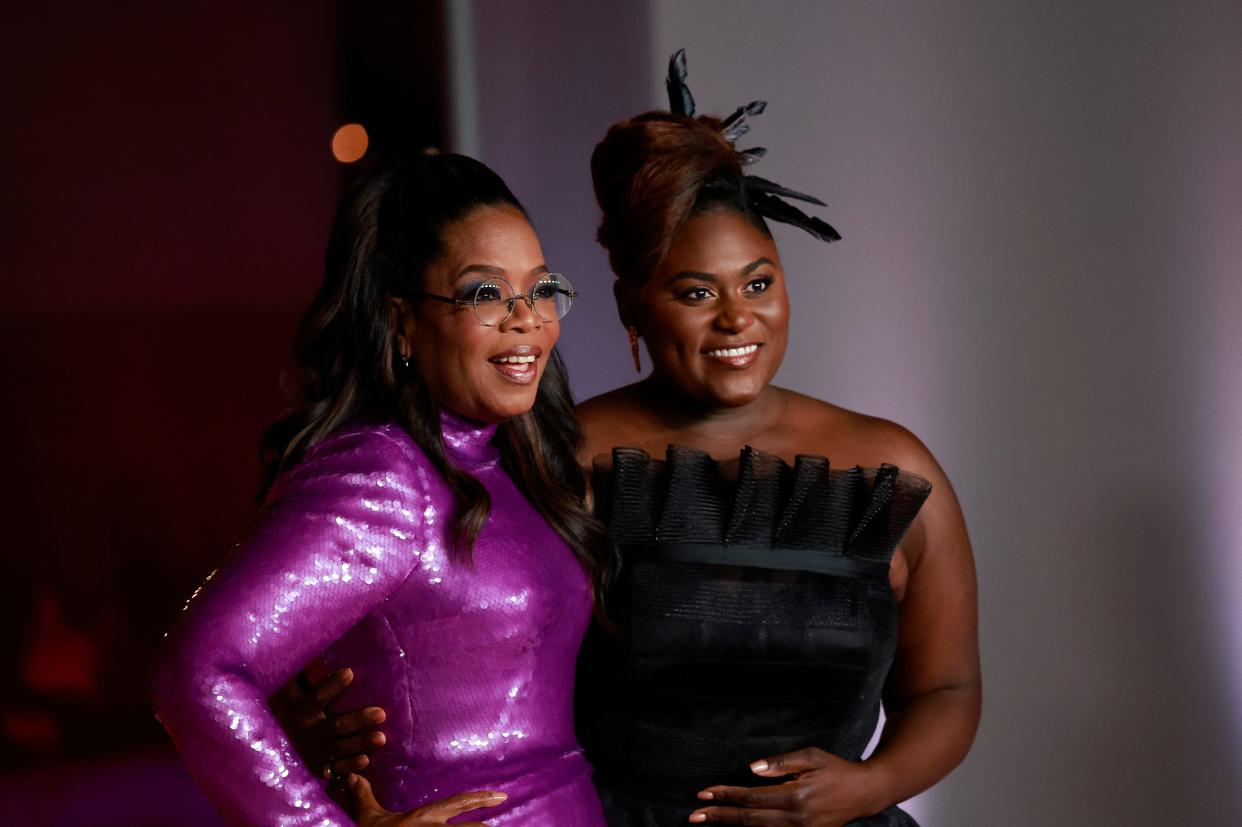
point(326, 690)
point(364, 798)
point(778, 797)
point(342, 767)
point(360, 744)
point(738, 815)
point(358, 720)
point(293, 689)
point(462, 803)
point(790, 763)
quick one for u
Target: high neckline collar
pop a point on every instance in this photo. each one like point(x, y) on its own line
point(467, 442)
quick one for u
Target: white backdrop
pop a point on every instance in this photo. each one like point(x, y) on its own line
point(1041, 206)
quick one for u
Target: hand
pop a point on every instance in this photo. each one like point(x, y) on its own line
point(329, 743)
point(825, 791)
point(369, 813)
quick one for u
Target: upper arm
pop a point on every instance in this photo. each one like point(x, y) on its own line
point(937, 644)
point(345, 530)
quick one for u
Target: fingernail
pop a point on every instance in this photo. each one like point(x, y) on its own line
point(499, 796)
point(347, 674)
point(361, 762)
point(378, 738)
point(375, 715)
point(706, 795)
point(696, 817)
point(352, 781)
point(759, 766)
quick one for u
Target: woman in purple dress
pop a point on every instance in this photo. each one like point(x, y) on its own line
point(423, 524)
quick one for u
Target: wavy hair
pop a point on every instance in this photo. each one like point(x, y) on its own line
point(389, 227)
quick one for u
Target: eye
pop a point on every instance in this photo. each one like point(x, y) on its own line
point(545, 290)
point(487, 293)
point(759, 285)
point(697, 293)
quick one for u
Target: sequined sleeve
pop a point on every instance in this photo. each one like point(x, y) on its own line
point(345, 528)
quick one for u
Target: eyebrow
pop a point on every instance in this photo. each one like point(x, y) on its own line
point(493, 270)
point(701, 276)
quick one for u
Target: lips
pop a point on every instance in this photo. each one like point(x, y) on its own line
point(738, 356)
point(519, 365)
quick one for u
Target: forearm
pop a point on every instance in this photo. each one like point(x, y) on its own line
point(924, 738)
point(235, 749)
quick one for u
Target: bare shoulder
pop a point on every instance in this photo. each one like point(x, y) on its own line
point(849, 437)
point(606, 405)
point(617, 417)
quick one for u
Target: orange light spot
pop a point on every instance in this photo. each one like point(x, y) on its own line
point(349, 143)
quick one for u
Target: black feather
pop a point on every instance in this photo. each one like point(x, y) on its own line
point(757, 184)
point(680, 101)
point(749, 156)
point(769, 206)
point(735, 126)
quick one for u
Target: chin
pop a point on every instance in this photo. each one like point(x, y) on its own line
point(508, 408)
point(732, 397)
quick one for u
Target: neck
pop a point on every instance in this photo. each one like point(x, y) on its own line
point(467, 442)
point(715, 422)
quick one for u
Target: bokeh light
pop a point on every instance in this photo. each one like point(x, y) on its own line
point(349, 143)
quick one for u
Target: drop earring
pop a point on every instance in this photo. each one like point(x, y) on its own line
point(633, 331)
point(405, 362)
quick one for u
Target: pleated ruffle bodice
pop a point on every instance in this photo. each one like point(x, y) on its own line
point(752, 616)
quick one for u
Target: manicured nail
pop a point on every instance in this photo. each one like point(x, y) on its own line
point(375, 715)
point(696, 817)
point(498, 796)
point(759, 766)
point(706, 795)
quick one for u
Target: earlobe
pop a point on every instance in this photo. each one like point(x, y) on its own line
point(626, 301)
point(401, 322)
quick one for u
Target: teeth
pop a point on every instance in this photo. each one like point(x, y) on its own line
point(515, 360)
point(733, 351)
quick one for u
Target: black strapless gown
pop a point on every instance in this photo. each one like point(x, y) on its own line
point(753, 616)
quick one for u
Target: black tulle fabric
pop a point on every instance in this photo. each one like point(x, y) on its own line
point(752, 617)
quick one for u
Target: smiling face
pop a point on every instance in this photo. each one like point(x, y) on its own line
point(486, 373)
point(715, 313)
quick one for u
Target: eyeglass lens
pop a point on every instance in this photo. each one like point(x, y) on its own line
point(550, 298)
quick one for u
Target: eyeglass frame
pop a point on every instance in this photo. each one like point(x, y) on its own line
point(472, 302)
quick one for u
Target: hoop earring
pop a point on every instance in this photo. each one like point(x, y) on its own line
point(638, 364)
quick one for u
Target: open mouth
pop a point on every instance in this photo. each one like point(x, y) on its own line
point(519, 366)
point(738, 356)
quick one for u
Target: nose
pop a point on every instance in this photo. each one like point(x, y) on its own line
point(734, 315)
point(523, 317)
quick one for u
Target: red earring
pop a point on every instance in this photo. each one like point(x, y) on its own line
point(638, 365)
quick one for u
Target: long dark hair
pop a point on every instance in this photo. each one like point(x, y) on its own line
point(388, 229)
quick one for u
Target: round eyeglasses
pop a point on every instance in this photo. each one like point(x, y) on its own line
point(494, 299)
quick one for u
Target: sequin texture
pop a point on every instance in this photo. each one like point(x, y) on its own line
point(473, 663)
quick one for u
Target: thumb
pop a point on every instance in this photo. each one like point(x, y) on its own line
point(364, 797)
point(455, 805)
point(790, 763)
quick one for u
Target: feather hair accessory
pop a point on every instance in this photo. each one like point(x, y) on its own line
point(766, 196)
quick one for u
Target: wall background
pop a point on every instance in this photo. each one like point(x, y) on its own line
point(1040, 276)
point(1041, 206)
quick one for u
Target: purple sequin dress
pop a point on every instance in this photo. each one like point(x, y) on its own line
point(473, 664)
